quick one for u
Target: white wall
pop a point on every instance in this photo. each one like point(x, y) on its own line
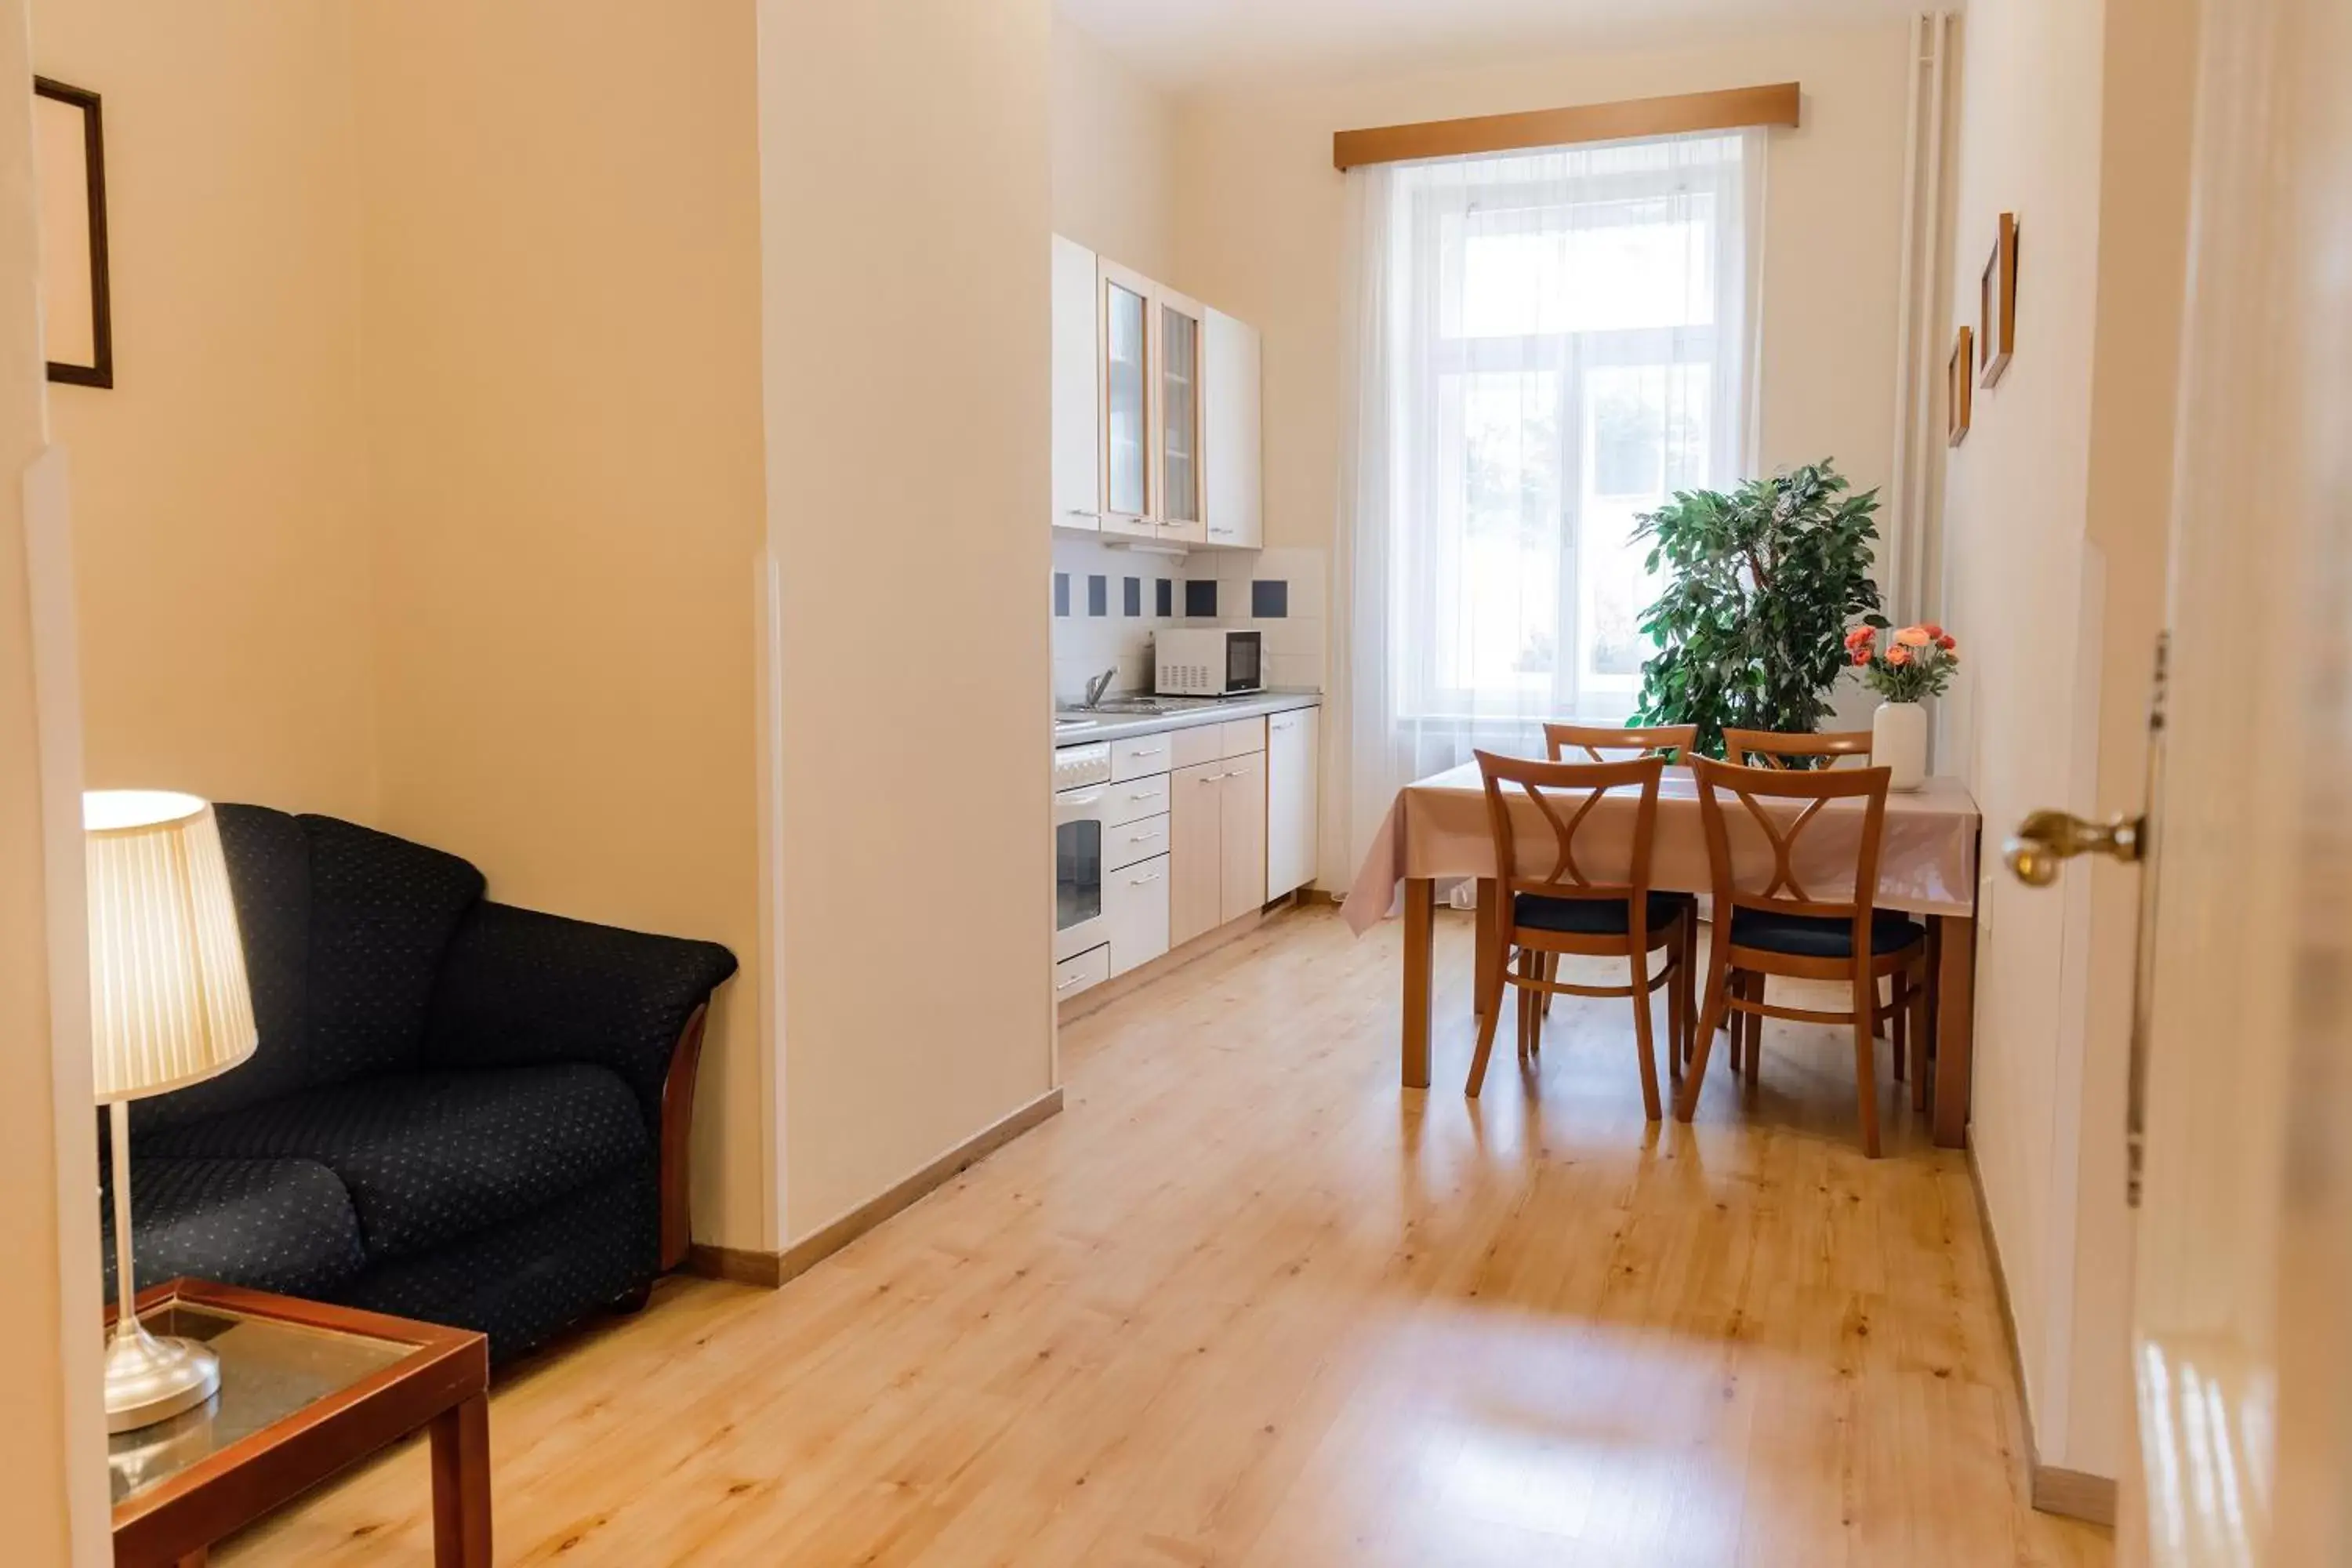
point(1261, 233)
point(916, 742)
point(1086, 644)
point(1114, 138)
point(2074, 116)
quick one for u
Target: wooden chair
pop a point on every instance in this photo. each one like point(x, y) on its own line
point(1565, 910)
point(1780, 927)
point(1775, 748)
point(1595, 741)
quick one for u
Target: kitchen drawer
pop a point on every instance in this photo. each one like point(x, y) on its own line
point(1139, 756)
point(1135, 800)
point(1135, 911)
point(1240, 737)
point(1072, 976)
point(1202, 743)
point(1131, 841)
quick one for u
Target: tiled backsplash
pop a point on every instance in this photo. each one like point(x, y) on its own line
point(1107, 603)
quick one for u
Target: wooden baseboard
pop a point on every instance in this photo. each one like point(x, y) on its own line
point(1095, 998)
point(2074, 1494)
point(771, 1269)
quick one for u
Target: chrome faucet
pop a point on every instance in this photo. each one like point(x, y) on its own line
point(1096, 686)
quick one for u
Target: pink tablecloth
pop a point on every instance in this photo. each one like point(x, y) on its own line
point(1437, 827)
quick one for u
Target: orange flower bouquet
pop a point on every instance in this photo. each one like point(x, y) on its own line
point(1916, 662)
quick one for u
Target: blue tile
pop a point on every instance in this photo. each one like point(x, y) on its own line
point(1201, 597)
point(1061, 593)
point(1165, 598)
point(1130, 598)
point(1098, 595)
point(1270, 599)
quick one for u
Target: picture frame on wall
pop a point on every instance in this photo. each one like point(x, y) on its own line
point(1997, 304)
point(1959, 388)
point(77, 318)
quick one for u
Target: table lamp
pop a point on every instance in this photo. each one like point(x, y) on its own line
point(169, 1006)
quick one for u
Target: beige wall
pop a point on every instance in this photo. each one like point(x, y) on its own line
point(1114, 139)
point(52, 1468)
point(562, 341)
point(2076, 118)
point(1261, 221)
point(906, 316)
point(219, 518)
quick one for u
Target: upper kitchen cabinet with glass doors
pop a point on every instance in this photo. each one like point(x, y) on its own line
point(1155, 409)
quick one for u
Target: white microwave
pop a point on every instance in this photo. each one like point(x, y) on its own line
point(1207, 661)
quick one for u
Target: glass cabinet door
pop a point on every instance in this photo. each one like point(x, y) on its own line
point(1127, 384)
point(1180, 415)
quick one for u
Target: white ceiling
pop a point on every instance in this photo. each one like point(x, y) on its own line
point(1187, 43)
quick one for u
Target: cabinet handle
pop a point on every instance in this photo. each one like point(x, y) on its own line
point(1082, 511)
point(1143, 882)
point(1141, 837)
point(1147, 795)
point(1212, 778)
point(1072, 980)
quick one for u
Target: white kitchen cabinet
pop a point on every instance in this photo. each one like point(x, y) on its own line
point(1234, 495)
point(1088, 970)
point(1135, 911)
point(1077, 390)
point(1125, 843)
point(1127, 337)
point(1291, 758)
point(1178, 330)
point(1242, 885)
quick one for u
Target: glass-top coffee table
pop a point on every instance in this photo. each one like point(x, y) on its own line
point(306, 1390)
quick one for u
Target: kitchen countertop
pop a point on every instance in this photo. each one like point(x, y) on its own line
point(1121, 726)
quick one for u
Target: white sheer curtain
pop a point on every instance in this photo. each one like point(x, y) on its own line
point(1545, 346)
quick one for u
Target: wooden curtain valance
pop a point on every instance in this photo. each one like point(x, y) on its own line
point(1732, 109)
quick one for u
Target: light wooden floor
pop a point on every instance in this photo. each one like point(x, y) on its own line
point(1247, 1302)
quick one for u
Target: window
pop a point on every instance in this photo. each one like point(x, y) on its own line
point(1565, 346)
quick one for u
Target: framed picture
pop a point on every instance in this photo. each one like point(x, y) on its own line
point(1997, 304)
point(1959, 388)
point(69, 141)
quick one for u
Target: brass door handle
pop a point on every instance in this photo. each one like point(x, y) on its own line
point(2047, 837)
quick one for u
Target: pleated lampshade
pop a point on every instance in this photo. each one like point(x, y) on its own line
point(168, 1000)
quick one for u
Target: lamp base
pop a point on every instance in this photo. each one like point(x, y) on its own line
point(150, 1380)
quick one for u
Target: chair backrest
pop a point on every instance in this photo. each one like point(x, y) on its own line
point(1778, 885)
point(1596, 741)
point(1565, 794)
point(1781, 748)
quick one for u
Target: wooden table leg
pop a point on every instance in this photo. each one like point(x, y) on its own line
point(1955, 1026)
point(461, 1486)
point(1420, 938)
point(1487, 989)
point(196, 1559)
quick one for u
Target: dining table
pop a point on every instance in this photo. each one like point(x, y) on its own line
point(1438, 830)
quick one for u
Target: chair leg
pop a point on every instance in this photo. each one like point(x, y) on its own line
point(1551, 977)
point(1919, 1036)
point(1755, 1028)
point(1735, 989)
point(1546, 964)
point(1678, 1005)
point(1718, 980)
point(1642, 1043)
point(1528, 971)
point(1900, 1006)
point(1496, 986)
point(1865, 1058)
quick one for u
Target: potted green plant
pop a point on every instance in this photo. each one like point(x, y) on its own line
point(1916, 664)
point(1761, 585)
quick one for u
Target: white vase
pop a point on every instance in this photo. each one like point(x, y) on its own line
point(1898, 740)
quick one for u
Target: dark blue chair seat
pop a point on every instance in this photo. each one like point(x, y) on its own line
point(272, 1225)
point(1592, 917)
point(1810, 936)
point(433, 1157)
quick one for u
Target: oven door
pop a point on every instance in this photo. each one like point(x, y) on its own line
point(1079, 871)
point(1245, 662)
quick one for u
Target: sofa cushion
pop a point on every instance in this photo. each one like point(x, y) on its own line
point(270, 1224)
point(431, 1157)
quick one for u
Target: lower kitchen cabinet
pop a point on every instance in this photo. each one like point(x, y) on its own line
point(1290, 756)
point(1242, 806)
point(1216, 844)
point(1136, 911)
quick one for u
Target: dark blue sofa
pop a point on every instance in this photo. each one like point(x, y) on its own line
point(458, 1110)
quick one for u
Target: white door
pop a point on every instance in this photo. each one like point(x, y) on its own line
point(1232, 447)
point(2242, 1081)
point(1290, 753)
point(1128, 400)
point(1078, 400)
